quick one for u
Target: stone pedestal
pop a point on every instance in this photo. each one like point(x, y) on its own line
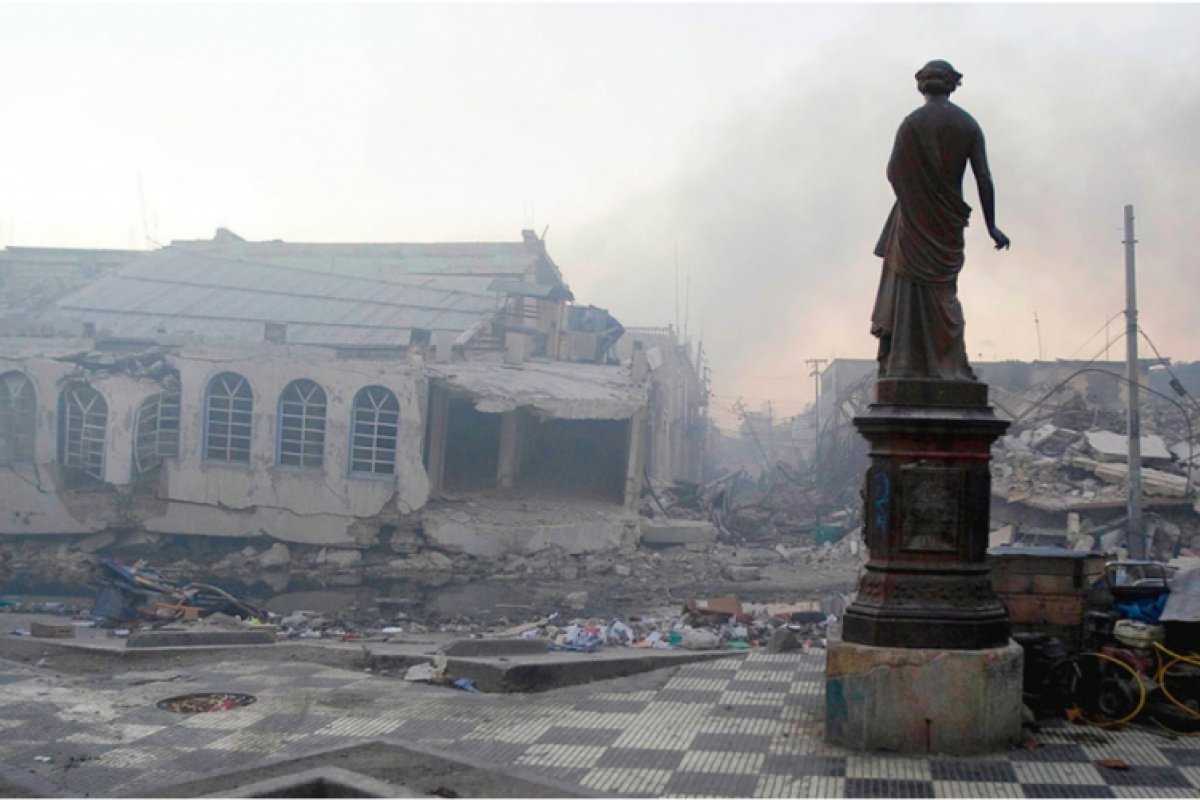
point(926, 663)
point(918, 701)
point(925, 519)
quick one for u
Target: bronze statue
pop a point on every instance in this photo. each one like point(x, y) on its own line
point(917, 315)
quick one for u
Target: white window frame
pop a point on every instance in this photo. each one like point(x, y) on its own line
point(18, 418)
point(368, 457)
point(300, 425)
point(237, 413)
point(85, 425)
point(156, 430)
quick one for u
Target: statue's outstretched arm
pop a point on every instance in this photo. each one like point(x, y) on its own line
point(987, 192)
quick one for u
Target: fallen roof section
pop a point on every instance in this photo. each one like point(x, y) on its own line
point(554, 388)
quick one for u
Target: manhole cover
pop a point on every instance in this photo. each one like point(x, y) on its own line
point(201, 703)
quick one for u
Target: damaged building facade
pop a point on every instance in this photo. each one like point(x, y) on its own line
point(338, 395)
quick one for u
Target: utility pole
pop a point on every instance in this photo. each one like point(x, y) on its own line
point(816, 363)
point(1038, 326)
point(1136, 537)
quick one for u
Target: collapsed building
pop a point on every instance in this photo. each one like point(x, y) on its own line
point(1059, 474)
point(341, 396)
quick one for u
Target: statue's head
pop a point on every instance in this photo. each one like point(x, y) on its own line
point(938, 77)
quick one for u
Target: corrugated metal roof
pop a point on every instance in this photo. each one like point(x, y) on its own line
point(177, 291)
point(452, 264)
point(181, 266)
point(145, 326)
point(381, 261)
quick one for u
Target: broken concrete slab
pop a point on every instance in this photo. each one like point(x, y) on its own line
point(1052, 440)
point(1186, 451)
point(260, 634)
point(96, 542)
point(1154, 482)
point(277, 555)
point(341, 558)
point(321, 782)
point(1109, 446)
point(742, 574)
point(482, 648)
point(504, 528)
point(52, 630)
point(677, 532)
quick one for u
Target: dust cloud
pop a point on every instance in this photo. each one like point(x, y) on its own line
point(778, 208)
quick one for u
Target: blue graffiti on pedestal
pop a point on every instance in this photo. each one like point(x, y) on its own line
point(883, 495)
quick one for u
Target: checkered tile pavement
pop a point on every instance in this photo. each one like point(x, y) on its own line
point(747, 727)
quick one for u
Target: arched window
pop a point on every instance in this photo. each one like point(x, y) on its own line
point(18, 416)
point(81, 434)
point(376, 424)
point(302, 425)
point(228, 409)
point(156, 429)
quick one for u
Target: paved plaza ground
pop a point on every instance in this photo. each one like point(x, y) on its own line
point(745, 727)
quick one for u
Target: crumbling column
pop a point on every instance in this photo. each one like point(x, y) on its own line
point(507, 470)
point(635, 463)
point(439, 417)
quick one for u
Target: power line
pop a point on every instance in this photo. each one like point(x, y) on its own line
point(1103, 327)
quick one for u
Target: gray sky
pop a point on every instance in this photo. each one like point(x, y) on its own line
point(751, 139)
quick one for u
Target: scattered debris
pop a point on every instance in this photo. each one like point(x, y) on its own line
point(205, 702)
point(139, 593)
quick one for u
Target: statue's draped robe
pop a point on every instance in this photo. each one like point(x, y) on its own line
point(917, 315)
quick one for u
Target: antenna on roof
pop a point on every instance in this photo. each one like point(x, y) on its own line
point(142, 202)
point(677, 288)
point(544, 233)
point(145, 227)
point(687, 303)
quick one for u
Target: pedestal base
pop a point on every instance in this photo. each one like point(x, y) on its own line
point(955, 702)
point(925, 520)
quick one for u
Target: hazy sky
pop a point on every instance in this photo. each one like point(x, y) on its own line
point(751, 140)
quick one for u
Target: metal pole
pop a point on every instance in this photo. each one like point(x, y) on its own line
point(1136, 535)
point(816, 363)
point(1038, 325)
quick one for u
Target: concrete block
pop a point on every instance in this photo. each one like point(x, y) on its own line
point(742, 574)
point(52, 630)
point(277, 555)
point(343, 558)
point(490, 540)
point(261, 634)
point(485, 648)
point(783, 640)
point(919, 701)
point(678, 531)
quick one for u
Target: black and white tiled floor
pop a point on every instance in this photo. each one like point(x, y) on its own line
point(735, 727)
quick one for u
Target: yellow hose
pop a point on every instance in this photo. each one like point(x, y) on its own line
point(1161, 677)
point(1141, 690)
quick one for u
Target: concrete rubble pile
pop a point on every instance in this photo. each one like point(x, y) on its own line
point(404, 582)
point(780, 509)
point(1067, 459)
point(706, 624)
